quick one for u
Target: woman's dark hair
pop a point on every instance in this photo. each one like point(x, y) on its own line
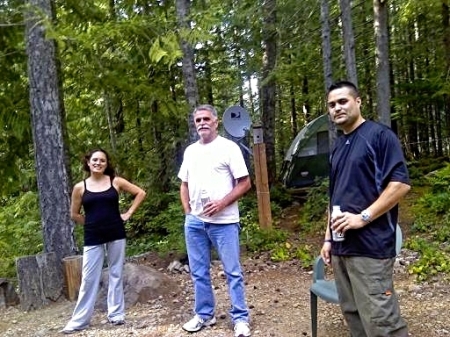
point(109, 168)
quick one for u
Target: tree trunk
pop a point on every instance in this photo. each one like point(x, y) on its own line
point(446, 42)
point(367, 46)
point(306, 105)
point(40, 280)
point(294, 129)
point(327, 62)
point(110, 119)
point(446, 26)
point(47, 125)
point(190, 84)
point(208, 78)
point(67, 155)
point(268, 88)
point(249, 79)
point(413, 136)
point(382, 61)
point(326, 44)
point(113, 101)
point(349, 40)
point(8, 295)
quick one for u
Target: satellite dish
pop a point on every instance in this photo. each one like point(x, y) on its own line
point(236, 121)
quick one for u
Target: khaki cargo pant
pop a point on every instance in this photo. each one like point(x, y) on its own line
point(367, 297)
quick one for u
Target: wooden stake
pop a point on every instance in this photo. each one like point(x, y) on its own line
point(72, 273)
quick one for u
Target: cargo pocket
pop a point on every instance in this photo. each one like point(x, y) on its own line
point(384, 305)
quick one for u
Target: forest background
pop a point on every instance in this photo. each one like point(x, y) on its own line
point(125, 75)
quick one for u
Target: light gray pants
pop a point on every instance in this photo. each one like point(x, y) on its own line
point(93, 258)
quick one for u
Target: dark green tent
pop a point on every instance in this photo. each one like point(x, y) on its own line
point(307, 157)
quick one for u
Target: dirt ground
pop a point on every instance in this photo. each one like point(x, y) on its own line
point(277, 293)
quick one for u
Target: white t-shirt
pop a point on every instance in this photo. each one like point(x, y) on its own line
point(213, 167)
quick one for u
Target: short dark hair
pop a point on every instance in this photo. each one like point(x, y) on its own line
point(110, 171)
point(344, 84)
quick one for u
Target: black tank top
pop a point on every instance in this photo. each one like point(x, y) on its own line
point(102, 216)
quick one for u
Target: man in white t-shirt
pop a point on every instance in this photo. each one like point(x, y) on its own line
point(213, 177)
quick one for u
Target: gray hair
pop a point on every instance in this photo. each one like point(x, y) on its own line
point(206, 107)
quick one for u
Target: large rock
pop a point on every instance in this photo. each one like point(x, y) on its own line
point(141, 284)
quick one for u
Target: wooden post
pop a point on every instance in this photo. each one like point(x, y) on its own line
point(73, 266)
point(261, 178)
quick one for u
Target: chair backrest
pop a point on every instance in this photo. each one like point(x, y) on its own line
point(319, 265)
point(318, 269)
point(398, 240)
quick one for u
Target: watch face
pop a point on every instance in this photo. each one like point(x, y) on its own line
point(365, 215)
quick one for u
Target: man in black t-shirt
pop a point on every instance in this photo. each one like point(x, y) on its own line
point(368, 177)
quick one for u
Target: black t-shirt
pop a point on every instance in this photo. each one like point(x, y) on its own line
point(362, 164)
point(103, 222)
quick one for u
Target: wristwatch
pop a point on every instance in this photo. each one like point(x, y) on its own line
point(366, 216)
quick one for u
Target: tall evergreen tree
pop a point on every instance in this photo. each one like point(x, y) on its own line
point(268, 87)
point(349, 40)
point(48, 135)
point(382, 61)
point(190, 83)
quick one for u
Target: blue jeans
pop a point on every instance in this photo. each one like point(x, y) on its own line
point(200, 238)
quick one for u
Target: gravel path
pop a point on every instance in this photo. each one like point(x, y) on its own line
point(277, 293)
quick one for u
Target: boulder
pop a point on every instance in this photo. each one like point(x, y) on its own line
point(141, 284)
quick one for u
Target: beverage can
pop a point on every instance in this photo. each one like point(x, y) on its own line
point(204, 197)
point(337, 236)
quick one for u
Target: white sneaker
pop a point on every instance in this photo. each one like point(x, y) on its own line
point(242, 329)
point(197, 323)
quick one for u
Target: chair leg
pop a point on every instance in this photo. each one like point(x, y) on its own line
point(313, 305)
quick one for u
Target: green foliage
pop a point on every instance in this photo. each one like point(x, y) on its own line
point(306, 255)
point(436, 202)
point(287, 251)
point(315, 207)
point(280, 196)
point(425, 167)
point(20, 231)
point(432, 221)
point(163, 231)
point(440, 179)
point(277, 243)
point(422, 224)
point(434, 258)
point(165, 49)
point(124, 90)
point(257, 239)
point(248, 209)
point(281, 252)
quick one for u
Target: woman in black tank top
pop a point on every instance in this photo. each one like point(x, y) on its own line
point(104, 230)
